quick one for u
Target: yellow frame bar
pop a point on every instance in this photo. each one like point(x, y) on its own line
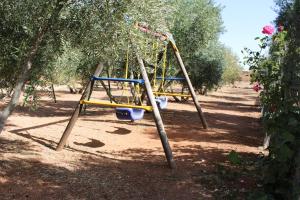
point(115, 105)
point(172, 94)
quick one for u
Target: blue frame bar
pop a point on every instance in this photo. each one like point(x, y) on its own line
point(171, 78)
point(140, 81)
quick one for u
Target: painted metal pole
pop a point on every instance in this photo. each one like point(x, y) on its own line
point(77, 110)
point(190, 86)
point(157, 117)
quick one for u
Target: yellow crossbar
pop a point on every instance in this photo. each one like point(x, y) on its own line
point(172, 94)
point(115, 105)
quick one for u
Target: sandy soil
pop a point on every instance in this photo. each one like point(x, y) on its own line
point(111, 159)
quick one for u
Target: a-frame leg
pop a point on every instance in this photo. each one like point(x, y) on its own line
point(190, 86)
point(77, 111)
point(156, 114)
point(89, 93)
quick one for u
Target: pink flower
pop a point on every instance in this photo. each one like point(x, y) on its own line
point(268, 30)
point(256, 87)
point(280, 28)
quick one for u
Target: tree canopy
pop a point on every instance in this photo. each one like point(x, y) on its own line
point(232, 69)
point(62, 41)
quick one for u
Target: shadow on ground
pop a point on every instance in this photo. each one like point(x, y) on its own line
point(202, 173)
point(183, 125)
point(145, 176)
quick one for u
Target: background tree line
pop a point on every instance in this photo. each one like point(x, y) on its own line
point(62, 41)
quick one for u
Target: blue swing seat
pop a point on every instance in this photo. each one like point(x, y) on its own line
point(130, 113)
point(162, 101)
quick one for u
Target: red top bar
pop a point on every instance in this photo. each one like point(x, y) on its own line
point(146, 29)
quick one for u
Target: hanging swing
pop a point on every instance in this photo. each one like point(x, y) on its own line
point(128, 113)
point(161, 101)
point(128, 110)
point(161, 95)
point(132, 114)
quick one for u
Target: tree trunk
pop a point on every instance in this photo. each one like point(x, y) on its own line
point(23, 77)
point(27, 64)
point(53, 93)
point(72, 89)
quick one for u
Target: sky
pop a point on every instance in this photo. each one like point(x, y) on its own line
point(243, 21)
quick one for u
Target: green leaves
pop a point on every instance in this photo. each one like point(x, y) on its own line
point(275, 66)
point(232, 70)
point(284, 153)
point(288, 137)
point(196, 29)
point(293, 122)
point(234, 158)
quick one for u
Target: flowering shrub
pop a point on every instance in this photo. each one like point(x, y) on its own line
point(281, 118)
point(266, 69)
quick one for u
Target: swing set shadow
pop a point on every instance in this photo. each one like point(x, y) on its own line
point(45, 142)
point(52, 144)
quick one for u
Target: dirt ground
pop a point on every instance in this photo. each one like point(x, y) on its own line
point(111, 159)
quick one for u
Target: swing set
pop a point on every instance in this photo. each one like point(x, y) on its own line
point(156, 99)
point(161, 93)
point(124, 111)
